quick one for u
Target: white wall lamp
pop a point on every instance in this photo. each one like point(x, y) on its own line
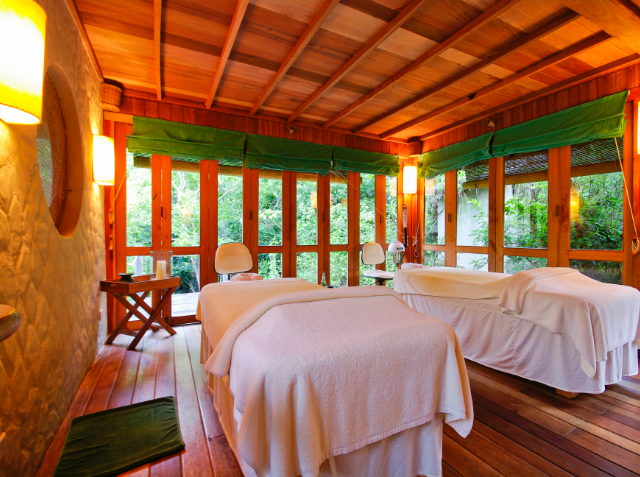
point(409, 180)
point(22, 32)
point(104, 160)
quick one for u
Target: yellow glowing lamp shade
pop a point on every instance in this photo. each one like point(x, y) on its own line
point(22, 31)
point(409, 179)
point(104, 160)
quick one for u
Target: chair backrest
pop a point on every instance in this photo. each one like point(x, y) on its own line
point(232, 258)
point(372, 253)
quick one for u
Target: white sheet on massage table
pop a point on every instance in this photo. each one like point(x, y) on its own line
point(504, 342)
point(415, 451)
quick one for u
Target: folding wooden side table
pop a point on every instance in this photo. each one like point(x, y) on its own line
point(143, 284)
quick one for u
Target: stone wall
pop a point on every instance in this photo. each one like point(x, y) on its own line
point(51, 280)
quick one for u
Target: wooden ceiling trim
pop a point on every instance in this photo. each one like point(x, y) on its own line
point(157, 39)
point(73, 8)
point(470, 27)
point(576, 80)
point(238, 15)
point(524, 41)
point(585, 45)
point(371, 45)
point(317, 20)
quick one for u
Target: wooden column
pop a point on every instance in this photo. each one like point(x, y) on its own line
point(635, 186)
point(324, 192)
point(293, 227)
point(250, 213)
point(451, 217)
point(353, 198)
point(381, 214)
point(288, 223)
point(627, 161)
point(559, 206)
point(499, 214)
point(120, 230)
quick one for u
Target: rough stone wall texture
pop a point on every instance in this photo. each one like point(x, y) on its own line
point(53, 281)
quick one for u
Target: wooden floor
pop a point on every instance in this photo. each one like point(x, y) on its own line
point(521, 428)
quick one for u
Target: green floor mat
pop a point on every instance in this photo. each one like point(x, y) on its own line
point(111, 442)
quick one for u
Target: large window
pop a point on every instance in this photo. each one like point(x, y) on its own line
point(185, 204)
point(434, 214)
point(367, 208)
point(138, 201)
point(229, 204)
point(473, 206)
point(270, 207)
point(526, 198)
point(307, 209)
point(339, 210)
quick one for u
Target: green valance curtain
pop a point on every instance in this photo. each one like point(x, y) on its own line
point(187, 141)
point(265, 152)
point(365, 162)
point(599, 119)
point(456, 156)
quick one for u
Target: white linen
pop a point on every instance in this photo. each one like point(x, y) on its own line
point(506, 343)
point(245, 277)
point(451, 282)
point(409, 266)
point(299, 371)
point(596, 317)
point(415, 451)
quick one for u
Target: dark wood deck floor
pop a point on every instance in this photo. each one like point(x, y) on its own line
point(521, 428)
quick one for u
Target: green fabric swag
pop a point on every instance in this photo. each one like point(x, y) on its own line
point(600, 119)
point(265, 152)
point(365, 162)
point(455, 156)
point(188, 141)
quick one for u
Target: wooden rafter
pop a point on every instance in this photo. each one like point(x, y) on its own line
point(585, 45)
point(371, 45)
point(314, 25)
point(238, 15)
point(568, 83)
point(526, 40)
point(73, 8)
point(470, 27)
point(157, 38)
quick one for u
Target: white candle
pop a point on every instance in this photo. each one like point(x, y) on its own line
point(161, 269)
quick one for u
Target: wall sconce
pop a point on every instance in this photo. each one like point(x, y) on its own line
point(104, 160)
point(22, 31)
point(409, 179)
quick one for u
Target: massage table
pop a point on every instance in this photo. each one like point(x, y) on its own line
point(550, 325)
point(334, 382)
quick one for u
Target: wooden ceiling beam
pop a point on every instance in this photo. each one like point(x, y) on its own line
point(470, 27)
point(619, 18)
point(314, 25)
point(526, 40)
point(157, 38)
point(554, 88)
point(238, 15)
point(73, 8)
point(581, 47)
point(371, 45)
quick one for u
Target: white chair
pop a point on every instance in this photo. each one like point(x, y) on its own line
point(232, 258)
point(373, 254)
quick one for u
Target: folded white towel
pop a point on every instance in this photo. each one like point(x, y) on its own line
point(407, 266)
point(245, 277)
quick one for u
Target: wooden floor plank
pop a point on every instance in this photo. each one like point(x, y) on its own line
point(104, 387)
point(145, 386)
point(465, 462)
point(196, 460)
point(618, 455)
point(124, 386)
point(223, 461)
point(76, 409)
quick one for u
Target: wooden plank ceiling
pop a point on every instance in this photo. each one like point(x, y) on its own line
point(390, 68)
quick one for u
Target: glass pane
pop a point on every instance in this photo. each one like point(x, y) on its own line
point(390, 264)
point(138, 201)
point(229, 204)
point(473, 216)
point(367, 208)
point(473, 261)
point(184, 301)
point(139, 265)
point(607, 272)
point(434, 210)
point(307, 266)
point(270, 207)
point(392, 209)
point(526, 198)
point(339, 268)
point(307, 209)
point(513, 264)
point(339, 211)
point(596, 202)
point(185, 204)
point(433, 259)
point(270, 265)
